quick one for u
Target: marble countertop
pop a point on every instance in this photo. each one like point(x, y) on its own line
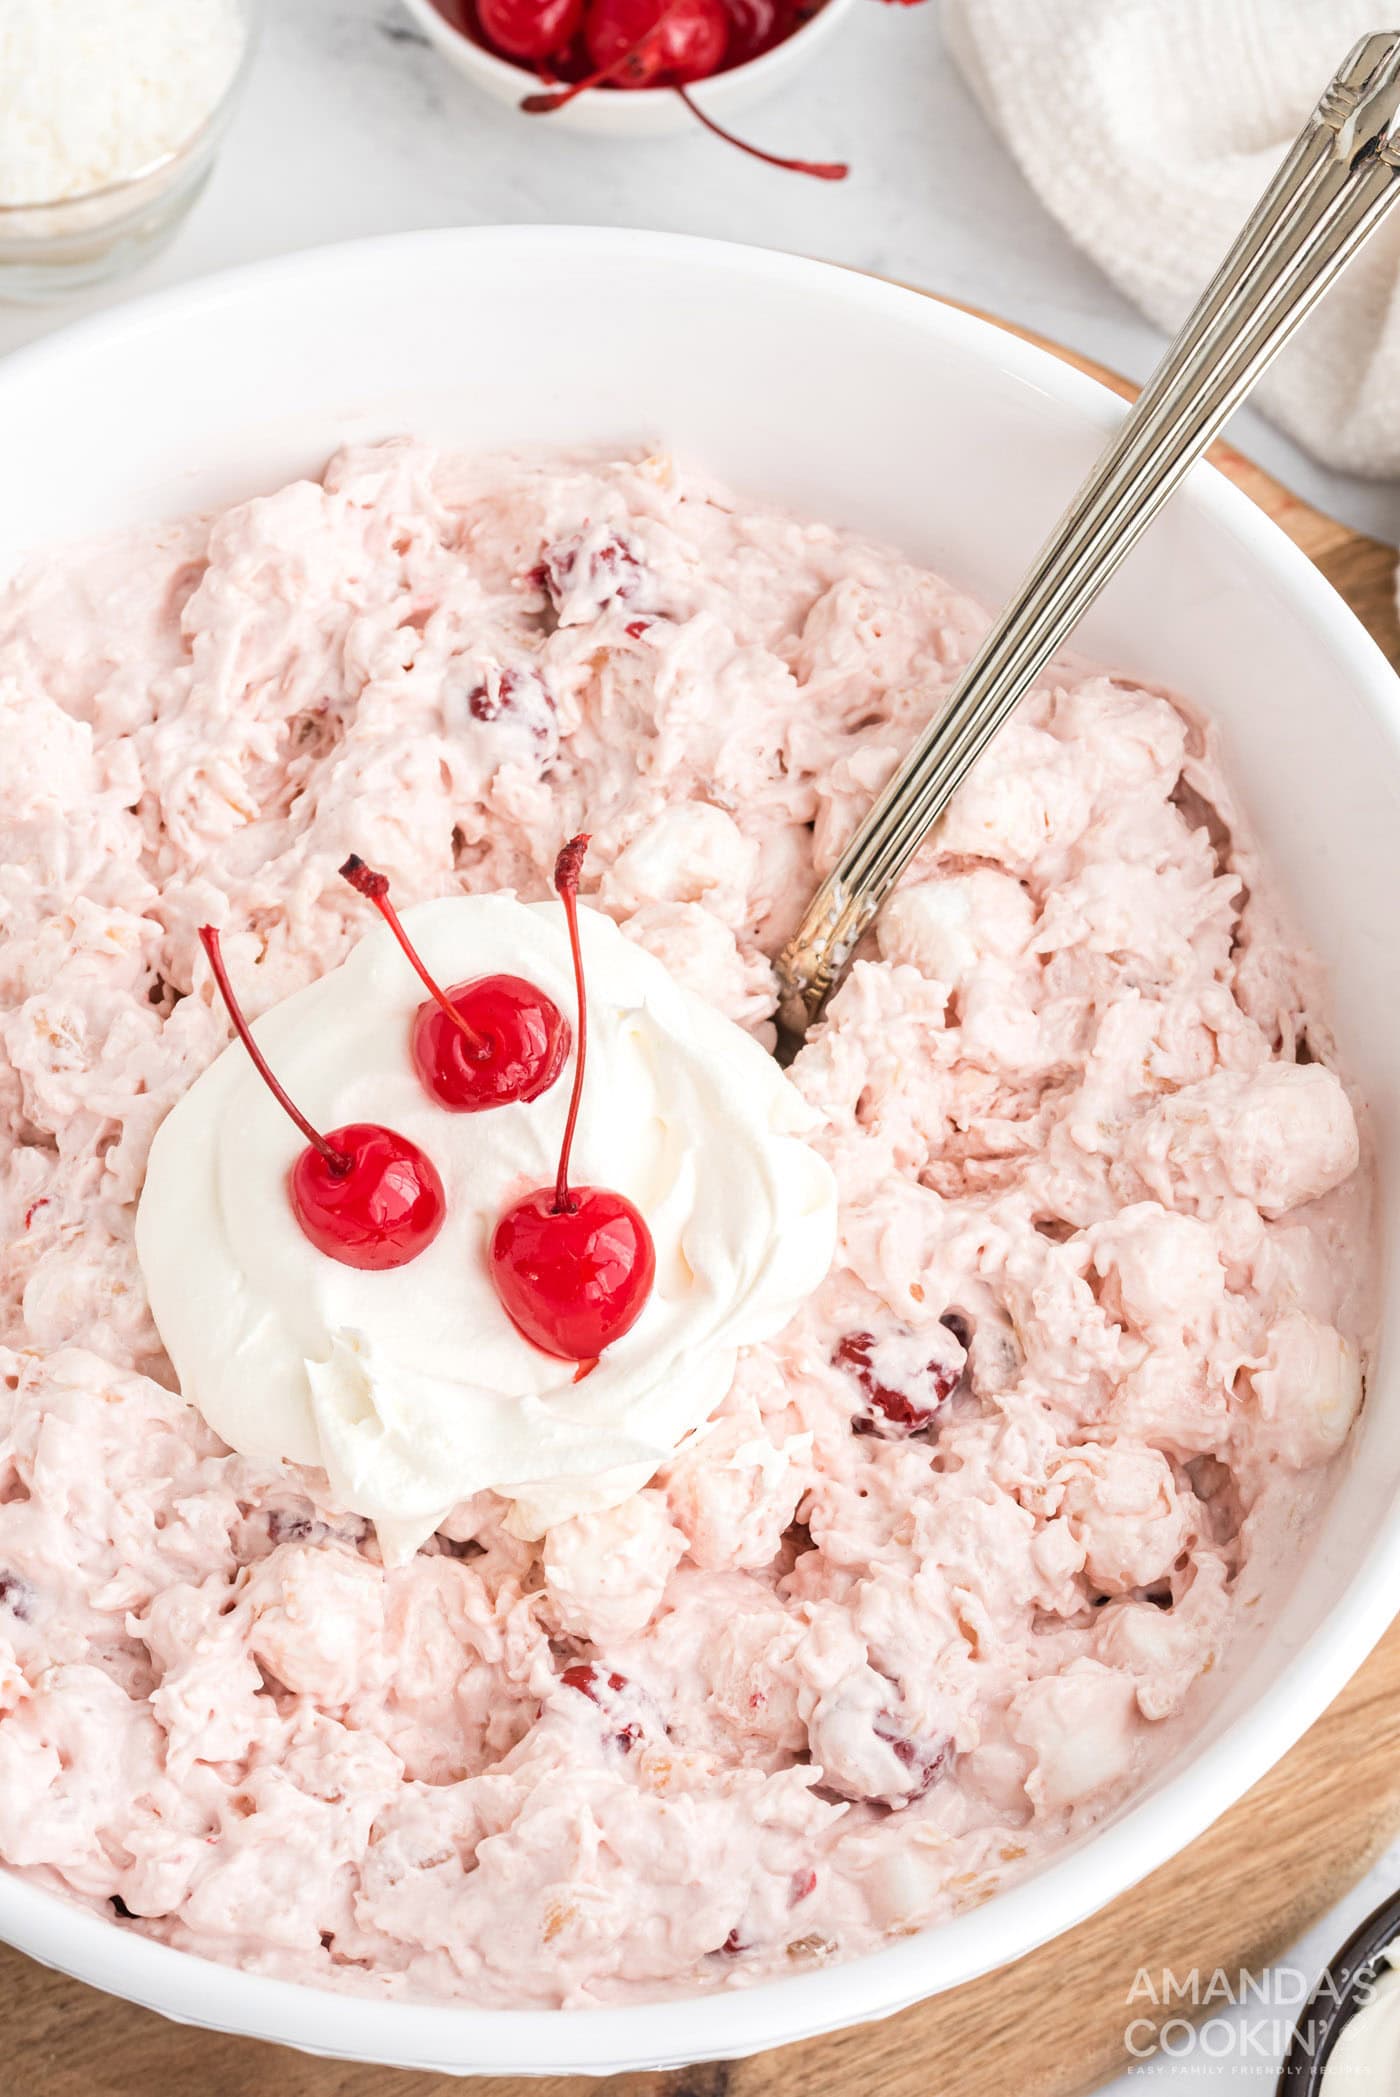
point(351, 125)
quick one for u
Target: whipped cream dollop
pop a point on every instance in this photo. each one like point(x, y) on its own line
point(411, 1388)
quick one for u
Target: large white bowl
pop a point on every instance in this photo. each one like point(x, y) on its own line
point(864, 404)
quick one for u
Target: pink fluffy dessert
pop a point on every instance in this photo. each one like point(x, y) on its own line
point(941, 1582)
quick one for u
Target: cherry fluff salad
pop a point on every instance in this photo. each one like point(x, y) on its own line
point(505, 1495)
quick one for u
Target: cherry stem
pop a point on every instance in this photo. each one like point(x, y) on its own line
point(542, 104)
point(566, 872)
point(375, 889)
point(824, 170)
point(340, 1161)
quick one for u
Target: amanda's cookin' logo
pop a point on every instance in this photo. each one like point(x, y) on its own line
point(1177, 2015)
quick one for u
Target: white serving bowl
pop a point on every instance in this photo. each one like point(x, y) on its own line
point(648, 112)
point(869, 406)
point(48, 248)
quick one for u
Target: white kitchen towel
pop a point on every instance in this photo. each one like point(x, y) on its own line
point(1150, 127)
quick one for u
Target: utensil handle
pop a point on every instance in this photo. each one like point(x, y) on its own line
point(1337, 182)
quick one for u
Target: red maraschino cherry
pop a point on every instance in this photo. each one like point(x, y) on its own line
point(481, 1044)
point(363, 1194)
point(640, 43)
point(573, 1266)
point(530, 29)
point(755, 26)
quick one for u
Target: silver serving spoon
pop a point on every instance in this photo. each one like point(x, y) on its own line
point(1331, 193)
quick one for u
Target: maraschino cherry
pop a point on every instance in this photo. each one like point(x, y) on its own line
point(483, 1043)
point(755, 26)
point(573, 1266)
point(531, 29)
point(638, 43)
point(363, 1194)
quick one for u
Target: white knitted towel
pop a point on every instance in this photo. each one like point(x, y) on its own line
point(1150, 127)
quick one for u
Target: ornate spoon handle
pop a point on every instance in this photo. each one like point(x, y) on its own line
point(1337, 183)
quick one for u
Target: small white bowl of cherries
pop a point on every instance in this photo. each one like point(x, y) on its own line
point(631, 68)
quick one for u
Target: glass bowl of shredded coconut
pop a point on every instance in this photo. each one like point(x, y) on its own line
point(109, 122)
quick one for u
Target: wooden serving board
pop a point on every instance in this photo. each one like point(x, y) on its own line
point(1051, 2026)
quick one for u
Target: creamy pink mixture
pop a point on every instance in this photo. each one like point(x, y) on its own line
point(924, 1601)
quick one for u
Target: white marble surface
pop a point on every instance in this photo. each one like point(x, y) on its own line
point(351, 126)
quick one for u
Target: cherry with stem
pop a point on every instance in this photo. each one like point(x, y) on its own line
point(484, 1043)
point(363, 1194)
point(374, 888)
point(573, 1266)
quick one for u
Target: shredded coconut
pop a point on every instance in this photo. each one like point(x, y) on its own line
point(965, 1549)
point(92, 94)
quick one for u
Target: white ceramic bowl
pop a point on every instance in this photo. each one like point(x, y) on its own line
point(864, 404)
point(648, 112)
